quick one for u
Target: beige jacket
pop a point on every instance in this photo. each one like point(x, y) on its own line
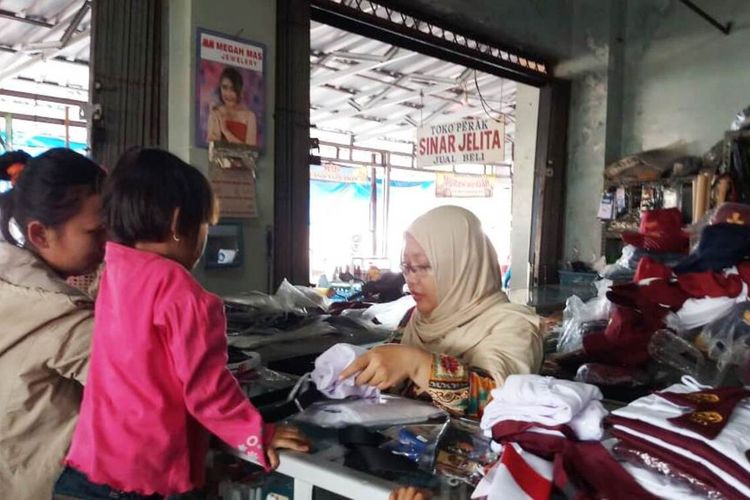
point(45, 335)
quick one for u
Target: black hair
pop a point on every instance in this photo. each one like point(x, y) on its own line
point(233, 76)
point(50, 189)
point(143, 191)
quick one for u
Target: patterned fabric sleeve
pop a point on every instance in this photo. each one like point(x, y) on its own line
point(457, 388)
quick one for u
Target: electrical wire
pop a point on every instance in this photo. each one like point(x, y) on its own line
point(485, 106)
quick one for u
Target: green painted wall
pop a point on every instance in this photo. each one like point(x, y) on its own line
point(684, 80)
point(254, 20)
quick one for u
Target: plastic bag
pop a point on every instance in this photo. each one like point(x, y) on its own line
point(741, 120)
point(415, 442)
point(386, 410)
point(599, 374)
point(292, 298)
point(628, 251)
point(255, 300)
point(668, 348)
point(316, 327)
point(709, 355)
point(464, 452)
point(390, 314)
point(578, 315)
point(660, 477)
point(288, 298)
point(727, 340)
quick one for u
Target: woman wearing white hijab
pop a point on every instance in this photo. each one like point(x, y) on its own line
point(464, 338)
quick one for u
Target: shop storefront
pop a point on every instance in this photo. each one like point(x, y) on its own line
point(496, 250)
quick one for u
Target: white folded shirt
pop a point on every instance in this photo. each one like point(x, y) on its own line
point(547, 401)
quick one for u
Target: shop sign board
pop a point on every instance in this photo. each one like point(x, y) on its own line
point(478, 140)
point(448, 185)
point(337, 173)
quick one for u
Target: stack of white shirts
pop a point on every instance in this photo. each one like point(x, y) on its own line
point(548, 402)
point(538, 405)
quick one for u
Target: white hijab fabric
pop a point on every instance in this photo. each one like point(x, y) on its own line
point(473, 320)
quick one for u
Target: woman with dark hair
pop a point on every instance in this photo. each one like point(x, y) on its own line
point(47, 324)
point(231, 121)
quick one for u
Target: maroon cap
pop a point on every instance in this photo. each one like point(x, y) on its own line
point(732, 213)
point(660, 231)
point(650, 268)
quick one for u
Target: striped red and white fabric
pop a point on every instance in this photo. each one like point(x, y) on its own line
point(518, 475)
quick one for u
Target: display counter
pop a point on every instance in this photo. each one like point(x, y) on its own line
point(327, 468)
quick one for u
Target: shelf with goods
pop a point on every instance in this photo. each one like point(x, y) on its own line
point(665, 182)
point(662, 193)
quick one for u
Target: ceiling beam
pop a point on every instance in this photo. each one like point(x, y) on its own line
point(395, 123)
point(349, 40)
point(429, 102)
point(382, 94)
point(427, 119)
point(44, 83)
point(69, 20)
point(77, 62)
point(12, 16)
point(74, 23)
point(354, 56)
point(40, 97)
point(392, 56)
point(43, 119)
point(436, 89)
point(14, 70)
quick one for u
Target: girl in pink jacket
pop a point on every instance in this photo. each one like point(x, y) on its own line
point(158, 382)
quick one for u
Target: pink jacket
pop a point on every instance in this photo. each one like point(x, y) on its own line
point(158, 381)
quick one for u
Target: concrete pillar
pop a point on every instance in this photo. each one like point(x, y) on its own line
point(594, 133)
point(527, 117)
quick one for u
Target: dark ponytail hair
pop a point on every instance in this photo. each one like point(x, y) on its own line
point(50, 189)
point(9, 159)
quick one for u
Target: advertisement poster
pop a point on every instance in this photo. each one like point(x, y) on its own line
point(230, 91)
point(458, 142)
point(464, 186)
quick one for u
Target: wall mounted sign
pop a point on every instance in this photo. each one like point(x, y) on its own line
point(336, 173)
point(230, 90)
point(449, 185)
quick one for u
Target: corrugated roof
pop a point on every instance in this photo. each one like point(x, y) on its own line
point(376, 91)
point(45, 41)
